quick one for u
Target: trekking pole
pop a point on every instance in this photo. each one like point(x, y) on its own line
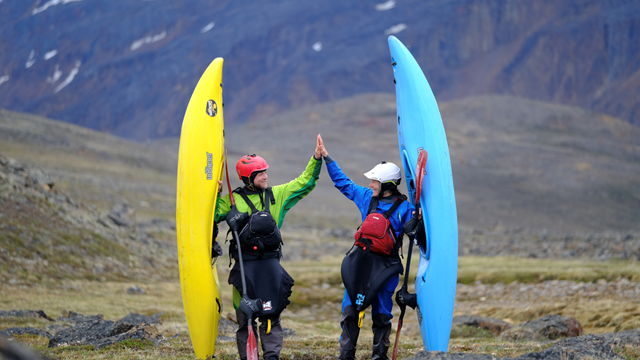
point(403, 292)
point(252, 345)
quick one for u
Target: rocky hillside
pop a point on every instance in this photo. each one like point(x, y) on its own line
point(46, 235)
point(129, 67)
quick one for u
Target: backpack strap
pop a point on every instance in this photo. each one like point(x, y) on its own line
point(268, 198)
point(373, 205)
point(393, 207)
point(242, 192)
point(269, 191)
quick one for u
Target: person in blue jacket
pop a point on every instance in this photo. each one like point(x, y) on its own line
point(361, 268)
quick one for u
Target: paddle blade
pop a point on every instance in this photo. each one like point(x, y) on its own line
point(420, 171)
point(252, 345)
point(395, 346)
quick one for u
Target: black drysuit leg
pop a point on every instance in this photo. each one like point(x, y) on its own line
point(242, 334)
point(271, 342)
point(350, 333)
point(381, 331)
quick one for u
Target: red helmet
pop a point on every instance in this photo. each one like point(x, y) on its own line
point(249, 164)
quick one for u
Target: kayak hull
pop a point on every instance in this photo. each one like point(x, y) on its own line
point(420, 127)
point(199, 168)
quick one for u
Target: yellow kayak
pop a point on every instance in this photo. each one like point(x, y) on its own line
point(199, 169)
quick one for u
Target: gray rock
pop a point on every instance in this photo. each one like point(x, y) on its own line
point(134, 290)
point(586, 347)
point(123, 214)
point(224, 338)
point(227, 326)
point(101, 333)
point(77, 318)
point(550, 327)
point(39, 177)
point(496, 326)
point(288, 332)
point(137, 319)
point(10, 332)
point(139, 332)
point(24, 313)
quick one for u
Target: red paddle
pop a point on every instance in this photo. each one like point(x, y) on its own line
point(252, 345)
point(420, 171)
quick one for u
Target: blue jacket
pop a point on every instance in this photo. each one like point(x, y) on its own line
point(362, 197)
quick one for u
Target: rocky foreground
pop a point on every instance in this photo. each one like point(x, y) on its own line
point(564, 336)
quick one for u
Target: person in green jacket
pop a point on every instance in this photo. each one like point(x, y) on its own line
point(258, 217)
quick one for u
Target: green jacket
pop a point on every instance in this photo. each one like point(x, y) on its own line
point(287, 195)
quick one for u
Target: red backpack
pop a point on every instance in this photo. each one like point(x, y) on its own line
point(376, 232)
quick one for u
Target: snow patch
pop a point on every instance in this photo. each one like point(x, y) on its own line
point(5, 78)
point(207, 28)
point(317, 46)
point(50, 3)
point(31, 60)
point(395, 29)
point(56, 75)
point(147, 40)
point(69, 78)
point(50, 54)
point(386, 6)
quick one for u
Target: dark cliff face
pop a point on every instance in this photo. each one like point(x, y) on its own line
point(129, 67)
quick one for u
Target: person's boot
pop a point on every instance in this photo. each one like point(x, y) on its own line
point(271, 342)
point(350, 333)
point(381, 331)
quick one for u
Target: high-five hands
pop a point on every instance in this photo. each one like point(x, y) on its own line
point(320, 149)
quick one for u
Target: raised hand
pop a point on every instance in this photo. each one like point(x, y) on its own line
point(320, 149)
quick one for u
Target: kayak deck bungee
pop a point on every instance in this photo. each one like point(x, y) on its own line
point(420, 128)
point(199, 169)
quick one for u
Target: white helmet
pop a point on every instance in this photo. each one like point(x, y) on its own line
point(385, 172)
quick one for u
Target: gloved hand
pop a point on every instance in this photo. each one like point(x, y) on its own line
point(405, 298)
point(236, 219)
point(216, 250)
point(250, 307)
point(411, 227)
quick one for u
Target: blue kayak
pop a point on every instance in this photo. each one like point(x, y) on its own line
point(420, 128)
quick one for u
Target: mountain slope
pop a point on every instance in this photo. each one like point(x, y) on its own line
point(129, 67)
point(517, 163)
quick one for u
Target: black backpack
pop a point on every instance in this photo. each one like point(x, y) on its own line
point(261, 233)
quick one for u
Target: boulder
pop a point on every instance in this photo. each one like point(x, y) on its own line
point(227, 326)
point(10, 332)
point(577, 348)
point(123, 214)
point(496, 326)
point(24, 313)
point(134, 290)
point(77, 318)
point(549, 327)
point(134, 319)
point(101, 333)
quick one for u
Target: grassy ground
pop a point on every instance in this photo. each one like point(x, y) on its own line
point(315, 310)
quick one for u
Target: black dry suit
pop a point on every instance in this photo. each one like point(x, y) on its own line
point(365, 272)
point(369, 278)
point(261, 243)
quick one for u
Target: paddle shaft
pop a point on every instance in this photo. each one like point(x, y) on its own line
point(235, 233)
point(422, 160)
point(252, 346)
